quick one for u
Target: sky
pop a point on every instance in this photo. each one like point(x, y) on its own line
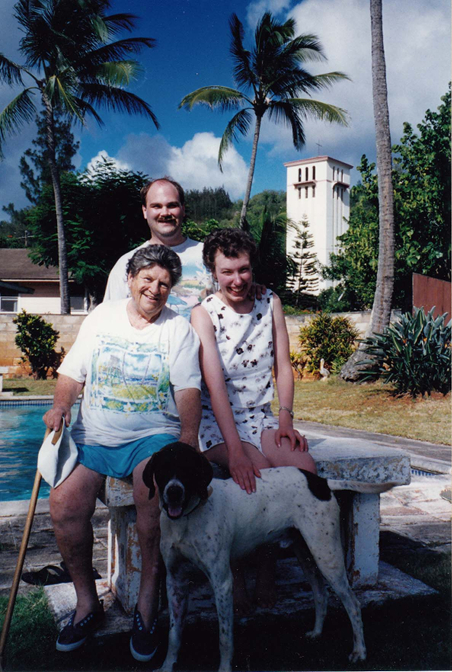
point(192, 50)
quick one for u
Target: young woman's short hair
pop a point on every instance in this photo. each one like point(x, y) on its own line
point(231, 243)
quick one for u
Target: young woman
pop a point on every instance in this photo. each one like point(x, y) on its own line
point(243, 341)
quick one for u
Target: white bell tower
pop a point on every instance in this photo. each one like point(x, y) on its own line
point(318, 189)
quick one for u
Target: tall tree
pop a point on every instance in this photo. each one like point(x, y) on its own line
point(34, 163)
point(381, 308)
point(74, 64)
point(304, 278)
point(271, 78)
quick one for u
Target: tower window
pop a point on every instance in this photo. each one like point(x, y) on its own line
point(306, 192)
point(313, 172)
point(313, 191)
point(299, 192)
point(299, 174)
point(306, 173)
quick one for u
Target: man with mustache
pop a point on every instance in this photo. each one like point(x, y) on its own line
point(163, 205)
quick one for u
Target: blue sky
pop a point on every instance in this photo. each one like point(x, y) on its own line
point(193, 50)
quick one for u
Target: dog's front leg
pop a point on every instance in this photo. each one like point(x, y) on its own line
point(222, 582)
point(177, 592)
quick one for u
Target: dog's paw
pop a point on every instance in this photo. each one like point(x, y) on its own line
point(313, 634)
point(356, 656)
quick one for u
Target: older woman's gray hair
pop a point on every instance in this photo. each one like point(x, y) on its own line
point(159, 255)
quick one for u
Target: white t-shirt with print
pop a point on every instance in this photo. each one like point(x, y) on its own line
point(193, 287)
point(130, 375)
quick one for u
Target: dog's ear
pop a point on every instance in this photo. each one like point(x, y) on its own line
point(205, 475)
point(148, 475)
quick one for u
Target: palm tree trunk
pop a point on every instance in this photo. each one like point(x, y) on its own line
point(246, 199)
point(381, 308)
point(55, 174)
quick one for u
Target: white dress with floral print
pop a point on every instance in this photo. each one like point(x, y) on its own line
point(245, 347)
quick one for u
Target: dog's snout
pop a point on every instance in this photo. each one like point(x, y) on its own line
point(174, 492)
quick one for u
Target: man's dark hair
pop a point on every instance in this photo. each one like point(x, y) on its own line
point(231, 243)
point(144, 190)
point(156, 255)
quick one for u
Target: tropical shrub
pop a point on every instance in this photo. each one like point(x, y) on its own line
point(329, 338)
point(37, 338)
point(414, 354)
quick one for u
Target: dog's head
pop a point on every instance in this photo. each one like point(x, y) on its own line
point(182, 475)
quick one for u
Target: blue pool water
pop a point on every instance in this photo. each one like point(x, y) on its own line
point(21, 435)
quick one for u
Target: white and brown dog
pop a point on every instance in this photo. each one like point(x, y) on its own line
point(210, 526)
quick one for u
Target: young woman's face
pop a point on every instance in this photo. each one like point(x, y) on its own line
point(234, 276)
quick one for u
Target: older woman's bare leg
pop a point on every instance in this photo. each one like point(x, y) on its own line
point(72, 505)
point(148, 528)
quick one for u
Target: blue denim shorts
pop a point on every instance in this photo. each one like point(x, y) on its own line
point(120, 461)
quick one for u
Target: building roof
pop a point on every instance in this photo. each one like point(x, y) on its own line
point(15, 264)
point(317, 159)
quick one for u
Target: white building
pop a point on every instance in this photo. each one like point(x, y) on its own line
point(318, 189)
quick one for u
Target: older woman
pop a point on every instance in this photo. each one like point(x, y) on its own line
point(137, 364)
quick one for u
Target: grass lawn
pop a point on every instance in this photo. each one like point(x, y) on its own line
point(28, 386)
point(372, 407)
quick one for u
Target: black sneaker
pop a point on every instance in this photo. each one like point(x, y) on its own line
point(143, 643)
point(72, 636)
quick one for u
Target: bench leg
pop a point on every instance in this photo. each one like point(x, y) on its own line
point(124, 556)
point(361, 517)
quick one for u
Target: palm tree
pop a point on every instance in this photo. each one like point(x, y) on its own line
point(271, 79)
point(381, 308)
point(73, 63)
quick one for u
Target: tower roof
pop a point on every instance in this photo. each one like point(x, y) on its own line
point(316, 159)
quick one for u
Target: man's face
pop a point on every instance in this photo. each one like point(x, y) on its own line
point(164, 213)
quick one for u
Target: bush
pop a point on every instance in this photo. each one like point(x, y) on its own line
point(37, 338)
point(414, 354)
point(329, 338)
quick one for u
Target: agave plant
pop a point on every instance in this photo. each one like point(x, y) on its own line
point(414, 354)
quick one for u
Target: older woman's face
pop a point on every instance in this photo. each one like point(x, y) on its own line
point(150, 289)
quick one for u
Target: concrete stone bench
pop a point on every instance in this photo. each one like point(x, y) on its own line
point(3, 369)
point(361, 472)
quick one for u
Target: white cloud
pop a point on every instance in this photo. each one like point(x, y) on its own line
point(194, 165)
point(104, 156)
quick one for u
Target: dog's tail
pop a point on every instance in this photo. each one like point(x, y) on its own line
point(359, 486)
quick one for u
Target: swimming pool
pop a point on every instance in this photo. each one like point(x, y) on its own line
point(21, 435)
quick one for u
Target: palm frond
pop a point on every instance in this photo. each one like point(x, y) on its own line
point(115, 74)
point(243, 73)
point(10, 72)
point(287, 113)
point(305, 108)
point(303, 48)
point(18, 112)
point(239, 124)
point(112, 52)
point(118, 22)
point(214, 97)
point(60, 95)
point(116, 99)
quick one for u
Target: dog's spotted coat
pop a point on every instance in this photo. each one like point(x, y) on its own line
point(212, 529)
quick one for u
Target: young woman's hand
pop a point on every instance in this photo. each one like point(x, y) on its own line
point(297, 440)
point(243, 471)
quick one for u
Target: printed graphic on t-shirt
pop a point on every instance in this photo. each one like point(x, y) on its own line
point(190, 290)
point(129, 377)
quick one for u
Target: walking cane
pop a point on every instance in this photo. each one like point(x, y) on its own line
point(22, 551)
